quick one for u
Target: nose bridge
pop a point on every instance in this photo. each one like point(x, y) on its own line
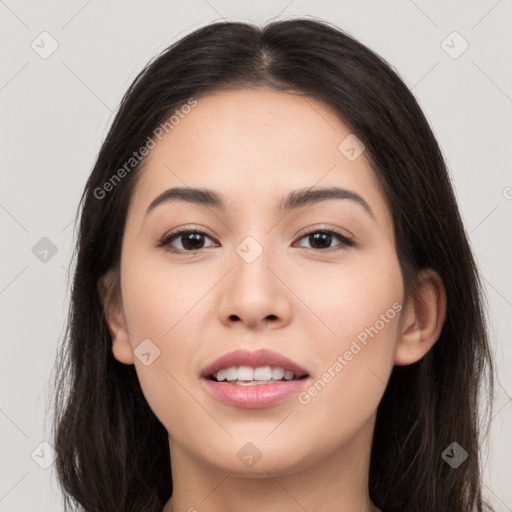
point(251, 273)
point(253, 293)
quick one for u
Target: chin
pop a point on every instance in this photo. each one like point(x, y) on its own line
point(251, 459)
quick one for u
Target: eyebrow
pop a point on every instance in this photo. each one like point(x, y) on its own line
point(295, 199)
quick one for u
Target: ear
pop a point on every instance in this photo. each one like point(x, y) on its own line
point(110, 296)
point(423, 318)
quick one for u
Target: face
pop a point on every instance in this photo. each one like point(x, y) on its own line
point(318, 282)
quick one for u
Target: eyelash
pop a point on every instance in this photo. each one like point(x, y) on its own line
point(345, 241)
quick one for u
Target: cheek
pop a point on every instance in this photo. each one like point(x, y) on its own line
point(346, 299)
point(159, 298)
point(355, 364)
point(357, 310)
point(163, 305)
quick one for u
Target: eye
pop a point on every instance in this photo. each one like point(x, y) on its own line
point(324, 237)
point(191, 240)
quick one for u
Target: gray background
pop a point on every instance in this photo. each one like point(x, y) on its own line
point(56, 112)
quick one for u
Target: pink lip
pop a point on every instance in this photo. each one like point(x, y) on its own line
point(254, 359)
point(256, 396)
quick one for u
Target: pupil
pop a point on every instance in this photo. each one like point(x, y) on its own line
point(322, 237)
point(196, 241)
point(193, 240)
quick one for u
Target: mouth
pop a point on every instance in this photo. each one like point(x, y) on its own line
point(258, 366)
point(248, 376)
point(253, 380)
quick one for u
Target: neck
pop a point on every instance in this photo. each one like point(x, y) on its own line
point(335, 482)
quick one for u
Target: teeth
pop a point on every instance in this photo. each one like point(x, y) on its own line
point(262, 374)
point(232, 373)
point(245, 373)
point(277, 373)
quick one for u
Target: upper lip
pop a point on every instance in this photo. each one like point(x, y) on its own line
point(254, 359)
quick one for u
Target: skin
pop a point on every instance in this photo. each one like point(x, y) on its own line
point(253, 147)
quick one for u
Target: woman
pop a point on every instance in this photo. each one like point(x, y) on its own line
point(219, 357)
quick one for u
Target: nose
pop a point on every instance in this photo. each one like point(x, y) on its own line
point(255, 293)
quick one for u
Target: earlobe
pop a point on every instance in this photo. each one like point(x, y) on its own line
point(423, 318)
point(110, 298)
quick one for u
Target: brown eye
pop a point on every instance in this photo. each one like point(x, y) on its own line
point(190, 241)
point(321, 240)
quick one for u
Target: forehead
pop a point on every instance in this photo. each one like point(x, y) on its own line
point(256, 145)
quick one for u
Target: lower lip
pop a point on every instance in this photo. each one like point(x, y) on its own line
point(256, 396)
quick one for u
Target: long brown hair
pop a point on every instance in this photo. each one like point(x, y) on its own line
point(112, 452)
